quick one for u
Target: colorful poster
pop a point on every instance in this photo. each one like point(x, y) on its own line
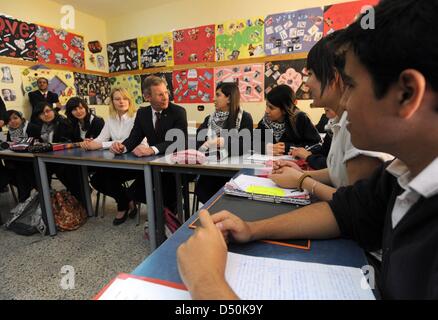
point(156, 51)
point(94, 89)
point(289, 72)
point(60, 82)
point(293, 32)
point(130, 83)
point(194, 45)
point(249, 78)
point(10, 86)
point(193, 85)
point(167, 76)
point(240, 39)
point(122, 56)
point(17, 39)
point(58, 46)
point(340, 16)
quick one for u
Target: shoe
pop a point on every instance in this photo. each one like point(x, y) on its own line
point(132, 213)
point(118, 221)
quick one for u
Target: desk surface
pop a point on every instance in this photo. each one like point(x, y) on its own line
point(12, 154)
point(161, 264)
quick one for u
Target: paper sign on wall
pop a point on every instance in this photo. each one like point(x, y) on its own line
point(194, 45)
point(156, 51)
point(123, 56)
point(193, 85)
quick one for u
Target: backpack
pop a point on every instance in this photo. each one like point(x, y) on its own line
point(26, 218)
point(69, 214)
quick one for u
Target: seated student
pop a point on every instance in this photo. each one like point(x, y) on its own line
point(228, 115)
point(396, 209)
point(54, 128)
point(85, 125)
point(290, 126)
point(345, 163)
point(153, 122)
point(109, 181)
point(22, 173)
point(317, 157)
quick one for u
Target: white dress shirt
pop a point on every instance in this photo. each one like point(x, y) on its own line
point(342, 150)
point(154, 118)
point(424, 185)
point(117, 129)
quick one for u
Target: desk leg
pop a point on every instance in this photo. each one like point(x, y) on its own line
point(45, 191)
point(86, 192)
point(149, 187)
point(159, 216)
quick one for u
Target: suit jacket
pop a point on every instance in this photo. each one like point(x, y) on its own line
point(36, 97)
point(174, 117)
point(93, 131)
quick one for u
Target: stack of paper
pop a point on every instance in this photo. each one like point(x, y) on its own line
point(264, 189)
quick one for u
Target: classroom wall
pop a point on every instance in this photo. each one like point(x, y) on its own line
point(46, 12)
point(190, 13)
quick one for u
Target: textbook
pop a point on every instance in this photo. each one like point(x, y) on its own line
point(256, 278)
point(264, 189)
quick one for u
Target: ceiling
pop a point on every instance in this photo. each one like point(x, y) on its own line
point(107, 9)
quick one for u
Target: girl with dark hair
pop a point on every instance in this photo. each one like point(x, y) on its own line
point(85, 124)
point(19, 127)
point(228, 115)
point(290, 126)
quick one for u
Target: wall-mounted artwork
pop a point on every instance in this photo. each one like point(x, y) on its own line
point(10, 86)
point(193, 85)
point(167, 76)
point(94, 89)
point(250, 79)
point(290, 72)
point(194, 45)
point(57, 46)
point(240, 39)
point(293, 32)
point(156, 51)
point(341, 15)
point(60, 82)
point(123, 56)
point(17, 39)
point(131, 83)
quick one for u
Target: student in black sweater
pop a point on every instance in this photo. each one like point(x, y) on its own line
point(290, 127)
point(390, 103)
point(216, 132)
point(86, 126)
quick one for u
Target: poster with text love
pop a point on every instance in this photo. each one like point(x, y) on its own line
point(17, 39)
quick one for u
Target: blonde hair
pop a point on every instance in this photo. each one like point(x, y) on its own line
point(125, 94)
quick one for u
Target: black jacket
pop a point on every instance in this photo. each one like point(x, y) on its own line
point(63, 132)
point(318, 159)
point(174, 117)
point(410, 251)
point(32, 131)
point(36, 97)
point(3, 114)
point(245, 123)
point(93, 131)
point(305, 135)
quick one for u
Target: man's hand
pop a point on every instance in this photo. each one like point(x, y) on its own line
point(286, 177)
point(202, 260)
point(278, 165)
point(300, 153)
point(143, 151)
point(232, 227)
point(117, 148)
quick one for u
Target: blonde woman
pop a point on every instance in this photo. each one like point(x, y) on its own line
point(110, 182)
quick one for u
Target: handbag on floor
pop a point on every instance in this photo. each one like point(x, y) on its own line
point(26, 218)
point(69, 214)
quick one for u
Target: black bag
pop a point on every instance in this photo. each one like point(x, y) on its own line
point(26, 218)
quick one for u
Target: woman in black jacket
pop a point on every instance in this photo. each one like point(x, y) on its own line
point(229, 116)
point(290, 126)
point(85, 124)
point(55, 128)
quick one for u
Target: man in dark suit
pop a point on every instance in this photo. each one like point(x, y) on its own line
point(153, 122)
point(43, 95)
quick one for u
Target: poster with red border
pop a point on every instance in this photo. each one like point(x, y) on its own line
point(58, 46)
point(193, 85)
point(17, 39)
point(194, 45)
point(341, 15)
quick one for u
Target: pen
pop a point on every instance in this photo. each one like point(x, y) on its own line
point(311, 147)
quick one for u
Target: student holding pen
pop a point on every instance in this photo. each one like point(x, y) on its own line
point(289, 126)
